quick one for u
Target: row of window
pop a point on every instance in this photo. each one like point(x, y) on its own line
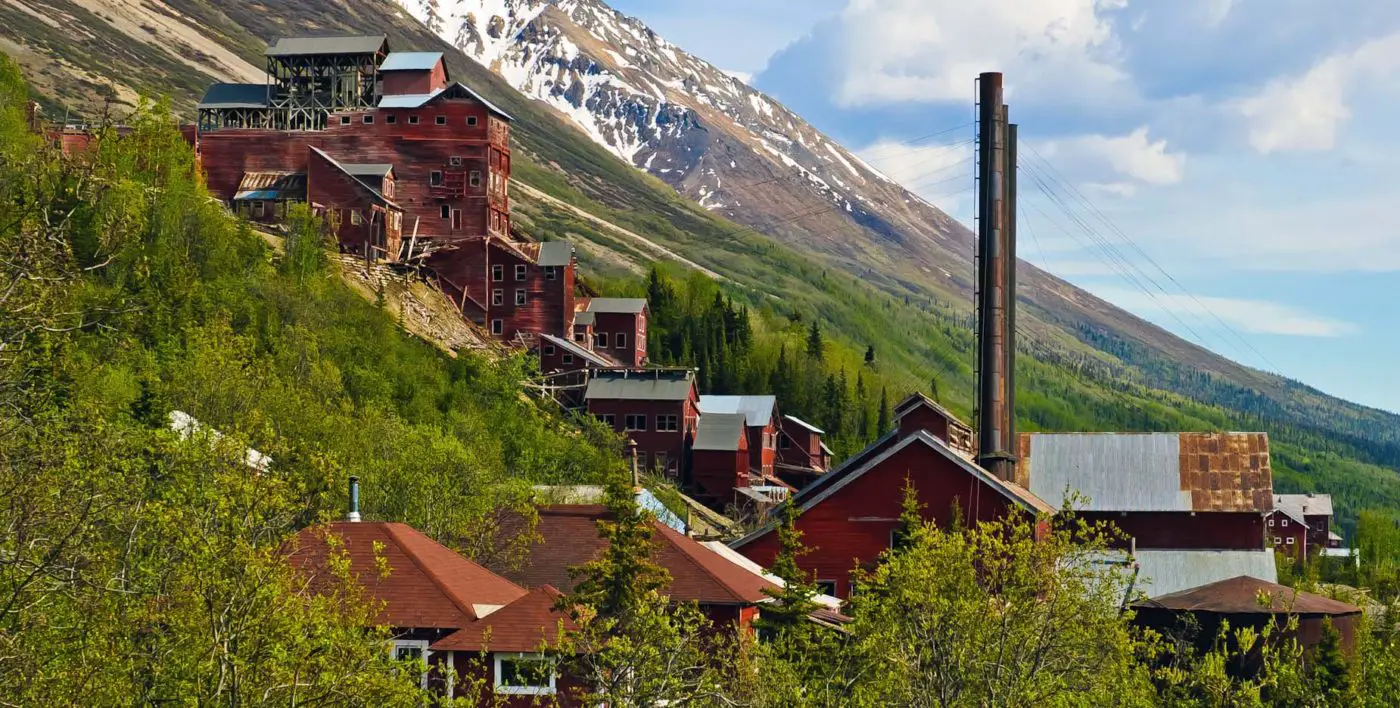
point(661, 459)
point(435, 178)
point(391, 119)
point(1282, 539)
point(637, 422)
point(520, 674)
point(1285, 522)
point(498, 296)
point(600, 340)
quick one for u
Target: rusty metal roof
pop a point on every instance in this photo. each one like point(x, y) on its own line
point(271, 186)
point(1246, 595)
point(1151, 471)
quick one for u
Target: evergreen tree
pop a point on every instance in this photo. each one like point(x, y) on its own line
point(616, 583)
point(870, 355)
point(882, 426)
point(1331, 676)
point(814, 342)
point(793, 602)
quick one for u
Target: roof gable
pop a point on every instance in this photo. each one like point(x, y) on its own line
point(758, 410)
point(723, 432)
point(456, 90)
point(917, 400)
point(1241, 595)
point(428, 585)
point(525, 625)
point(308, 46)
point(360, 185)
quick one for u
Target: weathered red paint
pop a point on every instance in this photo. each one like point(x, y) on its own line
point(651, 442)
point(1222, 530)
point(633, 329)
point(853, 525)
point(408, 81)
point(1289, 537)
point(717, 473)
point(475, 666)
point(800, 454)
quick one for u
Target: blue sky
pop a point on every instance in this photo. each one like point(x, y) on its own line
point(1245, 147)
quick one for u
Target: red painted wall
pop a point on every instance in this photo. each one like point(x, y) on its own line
point(633, 326)
point(763, 454)
point(475, 665)
point(1281, 529)
point(548, 302)
point(924, 418)
point(404, 81)
point(1182, 529)
point(717, 473)
point(651, 442)
point(854, 524)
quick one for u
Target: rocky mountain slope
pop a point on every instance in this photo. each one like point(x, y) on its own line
point(891, 271)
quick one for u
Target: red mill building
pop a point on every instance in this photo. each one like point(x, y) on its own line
point(402, 156)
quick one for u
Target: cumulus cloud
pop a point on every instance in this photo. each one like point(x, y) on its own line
point(1117, 165)
point(936, 172)
point(1305, 112)
point(929, 50)
point(1251, 316)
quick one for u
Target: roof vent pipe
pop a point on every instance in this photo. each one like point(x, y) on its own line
point(354, 514)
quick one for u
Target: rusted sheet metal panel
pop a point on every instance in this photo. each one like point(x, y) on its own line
point(1151, 471)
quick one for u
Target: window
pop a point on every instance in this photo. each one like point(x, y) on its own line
point(446, 211)
point(259, 209)
point(498, 297)
point(600, 340)
point(568, 358)
point(345, 120)
point(455, 160)
point(898, 538)
point(783, 442)
point(498, 272)
point(549, 350)
point(435, 178)
point(391, 118)
point(368, 118)
point(620, 341)
point(413, 650)
point(520, 270)
point(471, 120)
point(355, 218)
point(551, 273)
point(440, 120)
point(524, 674)
point(413, 120)
point(1284, 523)
point(578, 337)
point(520, 296)
point(827, 587)
point(608, 419)
point(497, 327)
point(641, 460)
point(667, 423)
point(660, 458)
point(636, 422)
point(1277, 540)
point(1271, 522)
point(1290, 540)
point(474, 179)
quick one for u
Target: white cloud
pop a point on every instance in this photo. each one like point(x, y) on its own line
point(1305, 112)
point(929, 50)
point(744, 76)
point(1116, 164)
point(1250, 316)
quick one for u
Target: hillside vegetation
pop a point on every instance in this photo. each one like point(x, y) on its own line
point(139, 568)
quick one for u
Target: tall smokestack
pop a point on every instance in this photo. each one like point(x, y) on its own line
point(996, 280)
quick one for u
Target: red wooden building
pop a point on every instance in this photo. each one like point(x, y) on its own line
point(442, 608)
point(850, 514)
point(413, 164)
point(619, 327)
point(719, 458)
point(656, 408)
point(1300, 525)
point(762, 421)
point(567, 536)
point(802, 456)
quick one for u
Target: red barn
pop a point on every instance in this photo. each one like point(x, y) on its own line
point(567, 537)
point(1301, 525)
point(719, 458)
point(848, 516)
point(802, 456)
point(620, 328)
point(657, 409)
point(762, 421)
point(440, 606)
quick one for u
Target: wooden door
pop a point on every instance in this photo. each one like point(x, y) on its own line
point(456, 219)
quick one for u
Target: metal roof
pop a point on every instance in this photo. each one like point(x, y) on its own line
point(556, 253)
point(916, 399)
point(584, 318)
point(367, 169)
point(596, 494)
point(379, 196)
point(235, 96)
point(453, 90)
point(1243, 595)
point(1151, 471)
point(622, 305)
point(1167, 571)
point(719, 431)
point(271, 186)
point(757, 409)
point(305, 46)
point(577, 350)
point(1301, 505)
point(411, 61)
point(641, 386)
point(804, 424)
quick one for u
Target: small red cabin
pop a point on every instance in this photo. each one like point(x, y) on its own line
point(762, 421)
point(620, 328)
point(802, 456)
point(720, 458)
point(657, 409)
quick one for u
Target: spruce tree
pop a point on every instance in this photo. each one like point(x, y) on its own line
point(1330, 673)
point(870, 355)
point(616, 583)
point(793, 602)
point(883, 424)
point(814, 341)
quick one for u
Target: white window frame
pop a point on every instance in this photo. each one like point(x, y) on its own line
point(822, 589)
point(498, 327)
point(568, 358)
point(440, 120)
point(1284, 523)
point(391, 118)
point(551, 273)
point(498, 273)
point(627, 421)
point(455, 161)
point(521, 270)
point(600, 340)
point(345, 120)
point(1289, 541)
point(1271, 522)
point(413, 120)
point(471, 120)
point(660, 460)
point(474, 178)
point(259, 209)
point(620, 340)
point(608, 419)
point(445, 211)
point(549, 350)
point(504, 690)
point(667, 423)
point(368, 118)
point(520, 297)
point(498, 296)
point(1277, 540)
point(435, 178)
point(422, 646)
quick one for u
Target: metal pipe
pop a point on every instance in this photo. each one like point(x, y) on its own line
point(354, 514)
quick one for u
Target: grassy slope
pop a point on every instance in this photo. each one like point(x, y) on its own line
point(1064, 385)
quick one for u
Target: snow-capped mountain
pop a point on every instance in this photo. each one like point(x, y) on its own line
point(709, 135)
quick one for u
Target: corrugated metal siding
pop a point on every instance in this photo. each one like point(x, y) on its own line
point(1115, 472)
point(1163, 572)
